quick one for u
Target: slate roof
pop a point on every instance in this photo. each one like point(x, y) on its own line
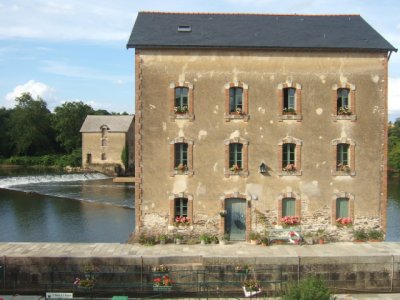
point(208, 30)
point(114, 123)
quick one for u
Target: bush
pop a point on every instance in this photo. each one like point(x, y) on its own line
point(375, 234)
point(360, 234)
point(73, 159)
point(311, 288)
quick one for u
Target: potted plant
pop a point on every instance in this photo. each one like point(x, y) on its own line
point(376, 235)
point(162, 284)
point(289, 111)
point(162, 238)
point(214, 239)
point(344, 222)
point(84, 284)
point(289, 168)
point(321, 236)
point(343, 168)
point(251, 287)
point(178, 239)
point(160, 269)
point(235, 169)
point(205, 238)
point(181, 168)
point(181, 221)
point(254, 237)
point(360, 235)
point(224, 239)
point(308, 238)
point(344, 111)
point(290, 221)
point(181, 109)
point(264, 240)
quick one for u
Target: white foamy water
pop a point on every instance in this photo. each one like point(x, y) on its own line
point(9, 182)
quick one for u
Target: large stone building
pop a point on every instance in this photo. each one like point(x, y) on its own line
point(104, 139)
point(244, 119)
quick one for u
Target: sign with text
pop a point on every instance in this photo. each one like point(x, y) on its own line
point(59, 295)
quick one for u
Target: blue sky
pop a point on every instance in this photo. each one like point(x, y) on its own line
point(74, 50)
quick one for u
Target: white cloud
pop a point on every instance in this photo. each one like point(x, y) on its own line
point(394, 98)
point(36, 89)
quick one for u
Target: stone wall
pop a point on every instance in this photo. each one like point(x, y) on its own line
point(133, 275)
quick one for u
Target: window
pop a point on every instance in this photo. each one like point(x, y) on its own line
point(236, 157)
point(344, 102)
point(343, 106)
point(184, 28)
point(181, 100)
point(288, 207)
point(289, 101)
point(181, 157)
point(104, 142)
point(342, 208)
point(181, 207)
point(343, 160)
point(289, 156)
point(235, 100)
point(104, 131)
point(342, 157)
point(103, 156)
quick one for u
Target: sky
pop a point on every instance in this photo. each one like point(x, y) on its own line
point(75, 50)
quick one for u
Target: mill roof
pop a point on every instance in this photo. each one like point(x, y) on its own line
point(262, 31)
point(114, 123)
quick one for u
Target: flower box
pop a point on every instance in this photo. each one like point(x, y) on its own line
point(250, 293)
point(162, 288)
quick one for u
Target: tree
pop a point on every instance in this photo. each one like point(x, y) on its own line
point(5, 141)
point(67, 121)
point(30, 129)
point(394, 146)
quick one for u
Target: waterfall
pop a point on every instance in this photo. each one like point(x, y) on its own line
point(8, 182)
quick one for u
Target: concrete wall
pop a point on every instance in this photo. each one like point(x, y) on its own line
point(318, 74)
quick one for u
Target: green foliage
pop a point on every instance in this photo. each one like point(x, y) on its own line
point(74, 160)
point(125, 157)
point(67, 121)
point(30, 128)
point(311, 288)
point(360, 234)
point(394, 146)
point(375, 234)
point(5, 141)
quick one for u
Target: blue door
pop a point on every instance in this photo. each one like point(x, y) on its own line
point(235, 220)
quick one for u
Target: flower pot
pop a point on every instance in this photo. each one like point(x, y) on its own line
point(254, 242)
point(250, 293)
point(321, 241)
point(162, 288)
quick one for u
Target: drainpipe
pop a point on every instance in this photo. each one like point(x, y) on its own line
point(391, 279)
point(298, 269)
point(4, 272)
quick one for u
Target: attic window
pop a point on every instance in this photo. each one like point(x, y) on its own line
point(184, 28)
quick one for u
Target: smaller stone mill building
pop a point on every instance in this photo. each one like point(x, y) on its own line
point(260, 117)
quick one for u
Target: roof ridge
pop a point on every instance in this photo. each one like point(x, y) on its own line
point(249, 14)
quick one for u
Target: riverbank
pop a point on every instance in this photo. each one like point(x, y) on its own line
point(346, 267)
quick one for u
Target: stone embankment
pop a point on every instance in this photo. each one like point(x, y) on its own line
point(347, 267)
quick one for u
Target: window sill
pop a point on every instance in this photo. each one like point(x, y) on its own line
point(344, 117)
point(229, 117)
point(342, 173)
point(242, 173)
point(176, 172)
point(290, 173)
point(186, 116)
point(297, 118)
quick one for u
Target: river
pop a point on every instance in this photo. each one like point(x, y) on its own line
point(43, 207)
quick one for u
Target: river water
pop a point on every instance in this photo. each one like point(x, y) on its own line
point(64, 208)
point(43, 207)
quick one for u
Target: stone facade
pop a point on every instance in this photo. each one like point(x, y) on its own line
point(103, 142)
point(263, 128)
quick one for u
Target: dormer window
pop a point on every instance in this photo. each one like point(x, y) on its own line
point(184, 28)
